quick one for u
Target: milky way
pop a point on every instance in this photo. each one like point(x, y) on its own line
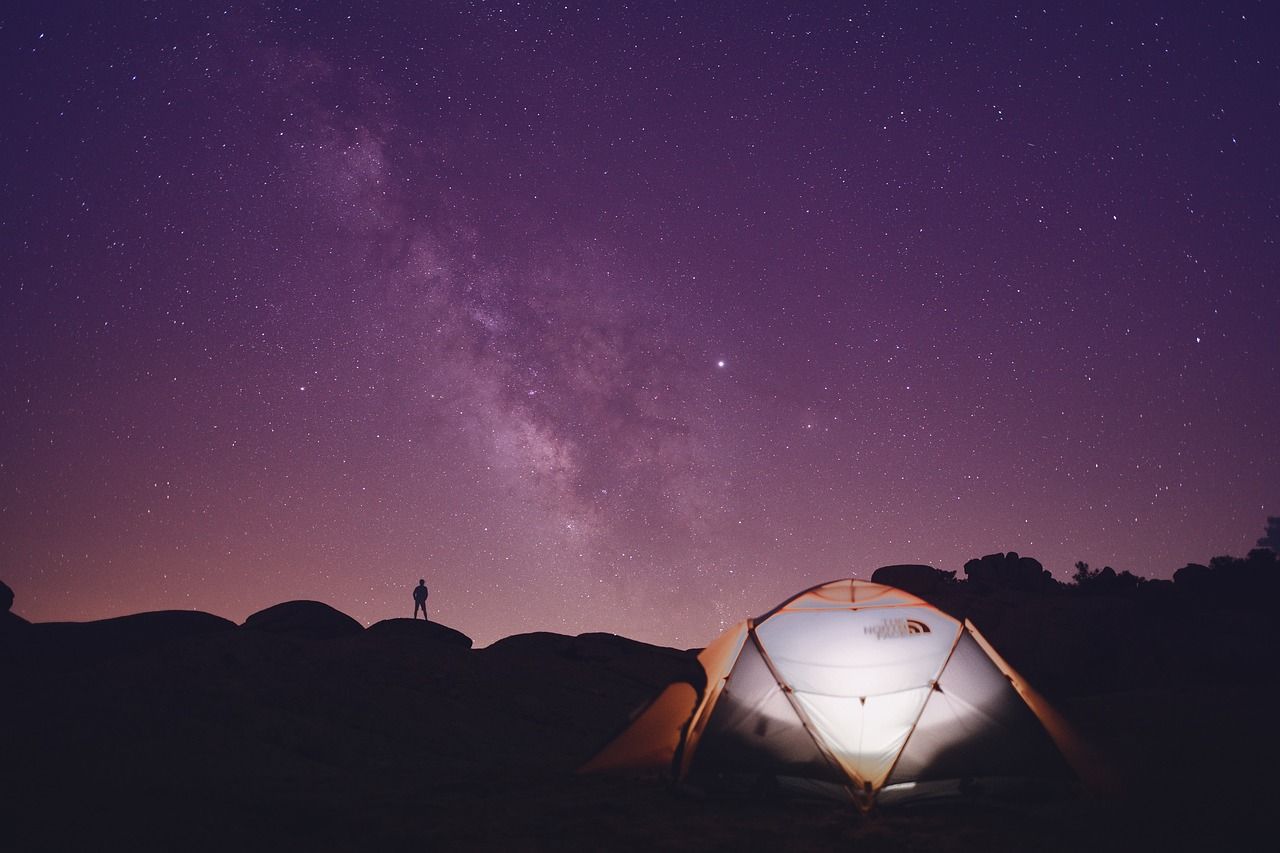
point(626, 319)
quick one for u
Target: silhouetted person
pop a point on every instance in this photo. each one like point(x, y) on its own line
point(420, 599)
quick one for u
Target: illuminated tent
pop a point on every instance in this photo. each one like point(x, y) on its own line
point(851, 689)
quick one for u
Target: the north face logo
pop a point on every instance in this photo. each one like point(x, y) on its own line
point(896, 628)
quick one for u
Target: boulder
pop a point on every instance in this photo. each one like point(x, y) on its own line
point(73, 645)
point(1193, 577)
point(419, 631)
point(10, 623)
point(915, 579)
point(308, 619)
point(1009, 571)
point(639, 663)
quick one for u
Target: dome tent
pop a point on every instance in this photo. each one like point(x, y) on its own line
point(855, 690)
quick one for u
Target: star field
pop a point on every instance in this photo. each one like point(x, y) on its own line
point(626, 318)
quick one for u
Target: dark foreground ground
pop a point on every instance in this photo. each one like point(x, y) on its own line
point(184, 732)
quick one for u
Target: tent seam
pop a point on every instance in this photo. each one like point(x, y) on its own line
point(955, 644)
point(809, 728)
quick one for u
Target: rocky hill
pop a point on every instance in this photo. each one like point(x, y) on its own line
point(301, 729)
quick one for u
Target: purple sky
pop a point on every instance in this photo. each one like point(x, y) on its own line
point(627, 319)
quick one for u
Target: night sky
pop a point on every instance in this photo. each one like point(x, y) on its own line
point(634, 318)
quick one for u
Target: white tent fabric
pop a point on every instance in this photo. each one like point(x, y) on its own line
point(852, 688)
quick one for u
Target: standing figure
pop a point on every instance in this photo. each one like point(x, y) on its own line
point(420, 599)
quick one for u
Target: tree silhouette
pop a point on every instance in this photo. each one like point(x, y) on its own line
point(1105, 580)
point(1271, 539)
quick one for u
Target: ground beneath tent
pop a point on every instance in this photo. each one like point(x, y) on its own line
point(233, 739)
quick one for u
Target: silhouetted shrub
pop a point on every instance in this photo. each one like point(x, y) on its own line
point(1254, 573)
point(1271, 538)
point(1105, 581)
point(1245, 581)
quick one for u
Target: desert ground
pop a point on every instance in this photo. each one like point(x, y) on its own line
point(300, 729)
